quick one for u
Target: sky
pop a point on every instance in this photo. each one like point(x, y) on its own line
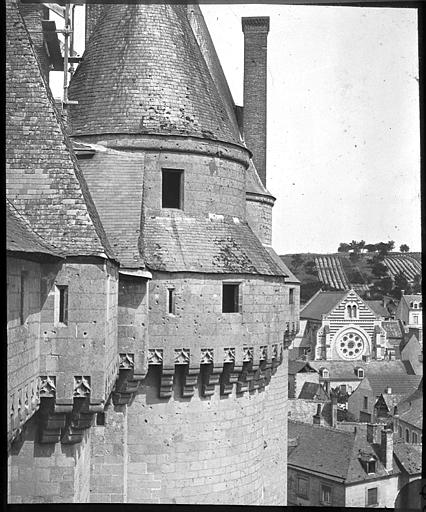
point(343, 150)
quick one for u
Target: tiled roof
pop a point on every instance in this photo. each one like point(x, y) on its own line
point(393, 329)
point(322, 449)
point(43, 179)
point(332, 452)
point(410, 409)
point(118, 198)
point(212, 245)
point(311, 390)
point(412, 297)
point(254, 184)
point(409, 456)
point(346, 369)
point(399, 383)
point(295, 367)
point(377, 307)
point(392, 399)
point(290, 277)
point(144, 73)
point(322, 303)
point(21, 238)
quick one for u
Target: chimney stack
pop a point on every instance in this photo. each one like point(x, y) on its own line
point(334, 412)
point(386, 448)
point(317, 416)
point(255, 78)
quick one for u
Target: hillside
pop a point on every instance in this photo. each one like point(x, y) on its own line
point(366, 273)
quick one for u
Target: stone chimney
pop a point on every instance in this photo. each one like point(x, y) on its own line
point(93, 13)
point(388, 390)
point(317, 416)
point(386, 448)
point(395, 419)
point(254, 116)
point(334, 412)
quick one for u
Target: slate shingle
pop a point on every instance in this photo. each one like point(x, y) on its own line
point(211, 245)
point(21, 238)
point(143, 73)
point(43, 180)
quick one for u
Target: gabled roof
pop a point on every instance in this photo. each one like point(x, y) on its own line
point(21, 238)
point(296, 366)
point(144, 73)
point(213, 245)
point(43, 179)
point(378, 307)
point(391, 399)
point(346, 369)
point(417, 297)
point(410, 408)
point(399, 383)
point(321, 304)
point(311, 390)
point(332, 452)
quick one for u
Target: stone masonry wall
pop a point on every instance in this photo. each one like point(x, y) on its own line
point(199, 321)
point(211, 184)
point(48, 473)
point(314, 490)
point(23, 341)
point(86, 345)
point(223, 450)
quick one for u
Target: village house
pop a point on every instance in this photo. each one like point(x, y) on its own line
point(332, 467)
point(362, 401)
point(407, 417)
point(148, 315)
point(410, 310)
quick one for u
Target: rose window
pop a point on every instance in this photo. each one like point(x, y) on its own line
point(350, 346)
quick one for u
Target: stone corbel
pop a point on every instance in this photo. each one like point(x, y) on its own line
point(53, 418)
point(127, 383)
point(243, 382)
point(166, 383)
point(211, 377)
point(229, 377)
point(190, 382)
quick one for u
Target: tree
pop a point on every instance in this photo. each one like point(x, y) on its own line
point(297, 260)
point(404, 248)
point(390, 245)
point(371, 247)
point(379, 269)
point(361, 245)
point(310, 268)
point(400, 283)
point(343, 247)
point(417, 284)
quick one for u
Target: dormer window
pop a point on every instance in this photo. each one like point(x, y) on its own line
point(371, 466)
point(359, 373)
point(172, 189)
point(325, 374)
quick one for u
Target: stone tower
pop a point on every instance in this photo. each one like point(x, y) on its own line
point(196, 411)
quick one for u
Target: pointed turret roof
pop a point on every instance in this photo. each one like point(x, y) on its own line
point(43, 179)
point(144, 73)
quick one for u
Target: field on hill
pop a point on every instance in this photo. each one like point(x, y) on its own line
point(340, 271)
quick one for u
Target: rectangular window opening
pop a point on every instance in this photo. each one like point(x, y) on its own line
point(291, 296)
point(230, 298)
point(372, 496)
point(302, 487)
point(365, 403)
point(171, 301)
point(172, 188)
point(22, 298)
point(325, 494)
point(62, 304)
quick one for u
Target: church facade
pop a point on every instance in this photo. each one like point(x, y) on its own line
point(148, 314)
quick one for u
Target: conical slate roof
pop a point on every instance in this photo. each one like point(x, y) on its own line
point(144, 73)
point(43, 180)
